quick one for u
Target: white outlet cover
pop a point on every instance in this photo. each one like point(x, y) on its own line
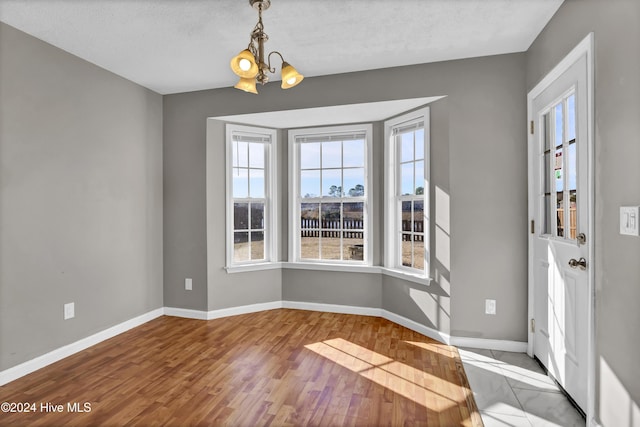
point(490, 306)
point(630, 220)
point(188, 284)
point(69, 311)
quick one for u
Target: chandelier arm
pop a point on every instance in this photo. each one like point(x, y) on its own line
point(273, 70)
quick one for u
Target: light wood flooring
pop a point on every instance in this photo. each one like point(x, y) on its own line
point(277, 367)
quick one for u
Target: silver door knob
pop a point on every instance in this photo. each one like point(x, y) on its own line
point(582, 263)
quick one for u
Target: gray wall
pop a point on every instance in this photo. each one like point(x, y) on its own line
point(430, 306)
point(616, 25)
point(80, 198)
point(482, 167)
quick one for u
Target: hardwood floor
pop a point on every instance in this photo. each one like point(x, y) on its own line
point(277, 367)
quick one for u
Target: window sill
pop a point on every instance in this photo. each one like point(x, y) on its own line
point(405, 275)
point(332, 267)
point(253, 267)
point(398, 274)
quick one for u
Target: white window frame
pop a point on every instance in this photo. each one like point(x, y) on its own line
point(270, 196)
point(295, 199)
point(393, 245)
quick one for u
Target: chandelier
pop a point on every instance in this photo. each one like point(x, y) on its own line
point(250, 64)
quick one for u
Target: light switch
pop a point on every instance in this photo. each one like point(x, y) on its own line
point(629, 220)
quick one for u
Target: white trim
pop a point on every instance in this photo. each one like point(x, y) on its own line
point(271, 229)
point(320, 266)
point(417, 327)
point(585, 47)
point(392, 248)
point(332, 308)
point(294, 188)
point(30, 366)
point(405, 275)
point(254, 267)
point(185, 313)
point(243, 309)
point(489, 344)
point(60, 353)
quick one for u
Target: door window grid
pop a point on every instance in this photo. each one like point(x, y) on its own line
point(559, 159)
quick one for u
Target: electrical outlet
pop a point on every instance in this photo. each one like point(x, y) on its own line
point(188, 284)
point(69, 311)
point(490, 306)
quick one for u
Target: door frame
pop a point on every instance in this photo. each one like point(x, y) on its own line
point(585, 47)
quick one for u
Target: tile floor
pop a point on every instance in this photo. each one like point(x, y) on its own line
point(511, 389)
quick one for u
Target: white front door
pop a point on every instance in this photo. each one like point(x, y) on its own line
point(560, 240)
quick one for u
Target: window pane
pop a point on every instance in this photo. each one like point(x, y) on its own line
point(419, 144)
point(573, 193)
point(257, 245)
point(310, 247)
point(406, 147)
point(353, 153)
point(406, 216)
point(331, 183)
point(571, 118)
point(240, 154)
point(309, 233)
point(419, 177)
point(309, 215)
point(353, 217)
point(353, 182)
point(330, 215)
point(406, 178)
point(418, 251)
point(310, 155)
point(310, 183)
point(558, 125)
point(256, 185)
point(241, 246)
point(257, 216)
point(256, 155)
point(353, 248)
point(418, 216)
point(240, 183)
point(331, 154)
point(240, 216)
point(558, 169)
point(407, 250)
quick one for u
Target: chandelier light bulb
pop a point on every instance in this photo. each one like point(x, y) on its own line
point(244, 64)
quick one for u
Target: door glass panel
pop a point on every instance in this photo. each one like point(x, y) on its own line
point(572, 170)
point(571, 117)
point(546, 172)
point(559, 169)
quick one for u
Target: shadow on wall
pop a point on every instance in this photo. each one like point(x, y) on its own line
point(434, 301)
point(617, 408)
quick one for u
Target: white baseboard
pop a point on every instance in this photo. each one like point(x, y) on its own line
point(243, 309)
point(186, 313)
point(417, 327)
point(332, 308)
point(489, 344)
point(39, 362)
point(25, 368)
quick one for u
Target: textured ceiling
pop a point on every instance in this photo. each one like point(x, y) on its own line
point(184, 45)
